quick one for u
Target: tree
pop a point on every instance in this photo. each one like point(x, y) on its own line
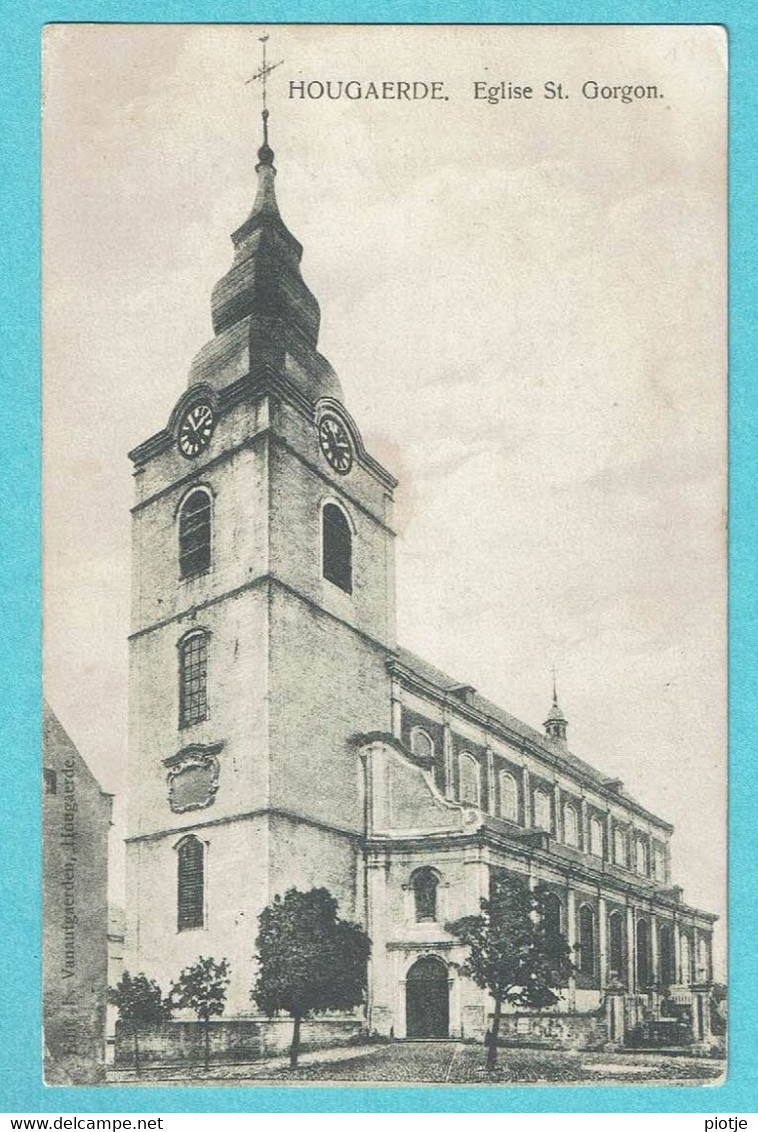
point(517, 952)
point(202, 989)
point(140, 1002)
point(309, 959)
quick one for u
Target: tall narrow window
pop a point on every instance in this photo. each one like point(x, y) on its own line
point(619, 847)
point(337, 547)
point(195, 534)
point(508, 796)
point(616, 948)
point(686, 957)
point(702, 960)
point(424, 884)
point(640, 856)
point(570, 826)
point(596, 837)
point(190, 885)
point(643, 954)
point(666, 947)
point(193, 679)
point(659, 863)
point(586, 940)
point(542, 810)
point(469, 772)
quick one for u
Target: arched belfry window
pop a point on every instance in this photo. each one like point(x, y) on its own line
point(195, 534)
point(586, 940)
point(190, 884)
point(469, 785)
point(424, 883)
point(337, 547)
point(193, 678)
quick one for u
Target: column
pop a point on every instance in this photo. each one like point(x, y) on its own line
point(447, 749)
point(655, 959)
point(602, 941)
point(631, 979)
point(571, 940)
point(526, 788)
point(558, 823)
point(490, 769)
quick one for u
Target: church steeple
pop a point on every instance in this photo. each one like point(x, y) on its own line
point(264, 315)
point(556, 724)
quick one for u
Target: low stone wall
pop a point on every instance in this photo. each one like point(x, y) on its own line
point(554, 1031)
point(230, 1040)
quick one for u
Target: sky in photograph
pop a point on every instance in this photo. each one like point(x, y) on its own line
point(525, 303)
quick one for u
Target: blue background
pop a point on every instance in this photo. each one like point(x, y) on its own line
point(20, 610)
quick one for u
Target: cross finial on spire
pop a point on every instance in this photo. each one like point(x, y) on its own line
point(265, 153)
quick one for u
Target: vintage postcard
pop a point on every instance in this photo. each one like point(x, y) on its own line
point(384, 522)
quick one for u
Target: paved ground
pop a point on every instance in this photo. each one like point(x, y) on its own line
point(453, 1063)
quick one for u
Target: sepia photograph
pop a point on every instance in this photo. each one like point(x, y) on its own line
point(384, 490)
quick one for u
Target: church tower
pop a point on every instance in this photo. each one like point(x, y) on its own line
point(262, 620)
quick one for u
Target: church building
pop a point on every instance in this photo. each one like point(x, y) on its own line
point(280, 736)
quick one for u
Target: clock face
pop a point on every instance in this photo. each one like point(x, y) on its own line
point(196, 429)
point(335, 444)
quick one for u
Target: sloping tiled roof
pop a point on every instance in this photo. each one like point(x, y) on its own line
point(446, 684)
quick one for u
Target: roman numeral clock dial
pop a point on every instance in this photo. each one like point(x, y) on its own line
point(335, 444)
point(195, 430)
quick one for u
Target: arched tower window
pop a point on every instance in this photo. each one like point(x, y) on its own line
point(469, 772)
point(190, 885)
point(643, 954)
point(508, 796)
point(337, 547)
point(424, 883)
point(195, 534)
point(616, 945)
point(570, 825)
point(596, 837)
point(542, 810)
point(586, 940)
point(193, 678)
point(421, 743)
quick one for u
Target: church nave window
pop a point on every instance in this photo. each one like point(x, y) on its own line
point(190, 884)
point(195, 534)
point(193, 678)
point(542, 810)
point(468, 768)
point(424, 883)
point(596, 837)
point(508, 796)
point(337, 547)
point(570, 825)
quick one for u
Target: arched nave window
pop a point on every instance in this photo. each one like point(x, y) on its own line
point(193, 678)
point(190, 884)
point(337, 547)
point(469, 772)
point(195, 533)
point(542, 810)
point(508, 796)
point(596, 837)
point(570, 825)
point(424, 883)
point(421, 743)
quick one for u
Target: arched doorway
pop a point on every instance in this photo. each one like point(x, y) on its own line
point(427, 1007)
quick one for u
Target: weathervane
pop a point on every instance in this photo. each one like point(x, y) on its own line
point(262, 74)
